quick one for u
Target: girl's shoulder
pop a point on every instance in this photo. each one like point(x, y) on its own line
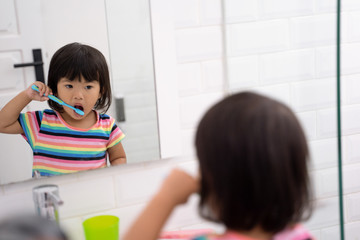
point(105, 119)
point(48, 112)
point(38, 115)
point(298, 232)
point(104, 116)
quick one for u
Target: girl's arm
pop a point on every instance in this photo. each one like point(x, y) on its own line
point(117, 155)
point(11, 111)
point(175, 190)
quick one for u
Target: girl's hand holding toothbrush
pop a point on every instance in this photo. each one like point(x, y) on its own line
point(41, 96)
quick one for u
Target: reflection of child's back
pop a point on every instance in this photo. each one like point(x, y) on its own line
point(253, 164)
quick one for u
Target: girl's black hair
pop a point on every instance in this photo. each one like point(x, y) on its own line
point(253, 162)
point(75, 60)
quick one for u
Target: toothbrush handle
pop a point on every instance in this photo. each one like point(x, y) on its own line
point(52, 97)
point(55, 99)
point(67, 105)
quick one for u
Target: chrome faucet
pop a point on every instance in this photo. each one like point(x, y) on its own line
point(47, 201)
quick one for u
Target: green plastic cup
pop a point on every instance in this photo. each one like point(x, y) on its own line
point(103, 227)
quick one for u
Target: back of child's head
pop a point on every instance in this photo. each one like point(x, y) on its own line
point(253, 163)
point(76, 60)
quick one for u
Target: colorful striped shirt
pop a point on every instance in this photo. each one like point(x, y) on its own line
point(298, 232)
point(59, 148)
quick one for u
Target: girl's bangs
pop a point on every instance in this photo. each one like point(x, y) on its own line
point(81, 67)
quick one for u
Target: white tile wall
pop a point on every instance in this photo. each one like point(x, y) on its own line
point(352, 230)
point(349, 52)
point(354, 32)
point(308, 121)
point(352, 207)
point(325, 6)
point(314, 94)
point(257, 37)
point(285, 8)
point(188, 138)
point(325, 62)
point(96, 194)
point(186, 13)
point(332, 233)
point(351, 179)
point(209, 12)
point(351, 87)
point(240, 10)
point(213, 75)
point(326, 183)
point(201, 43)
point(243, 72)
point(189, 78)
point(323, 153)
point(281, 92)
point(295, 46)
point(352, 149)
point(313, 31)
point(326, 123)
point(292, 56)
point(350, 5)
point(325, 214)
point(287, 66)
point(350, 119)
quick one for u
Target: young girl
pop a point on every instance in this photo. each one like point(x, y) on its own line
point(253, 174)
point(62, 140)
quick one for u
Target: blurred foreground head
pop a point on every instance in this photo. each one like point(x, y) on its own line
point(253, 158)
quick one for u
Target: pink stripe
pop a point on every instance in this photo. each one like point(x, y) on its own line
point(99, 125)
point(104, 125)
point(114, 136)
point(67, 139)
point(34, 122)
point(54, 119)
point(62, 168)
point(71, 168)
point(57, 140)
point(68, 163)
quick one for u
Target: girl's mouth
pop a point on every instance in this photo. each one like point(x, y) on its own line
point(78, 107)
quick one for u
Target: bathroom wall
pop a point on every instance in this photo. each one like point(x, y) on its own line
point(123, 191)
point(286, 49)
point(350, 69)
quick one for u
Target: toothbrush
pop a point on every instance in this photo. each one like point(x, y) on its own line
point(57, 100)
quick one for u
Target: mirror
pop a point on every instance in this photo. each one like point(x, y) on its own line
point(121, 30)
point(287, 50)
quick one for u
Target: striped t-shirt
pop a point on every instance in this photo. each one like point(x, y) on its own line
point(297, 232)
point(59, 148)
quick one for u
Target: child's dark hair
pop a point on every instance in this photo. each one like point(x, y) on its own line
point(75, 60)
point(253, 160)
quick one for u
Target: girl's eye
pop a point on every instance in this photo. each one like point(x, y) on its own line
point(68, 86)
point(89, 87)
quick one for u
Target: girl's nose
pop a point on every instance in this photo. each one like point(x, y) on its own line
point(78, 94)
